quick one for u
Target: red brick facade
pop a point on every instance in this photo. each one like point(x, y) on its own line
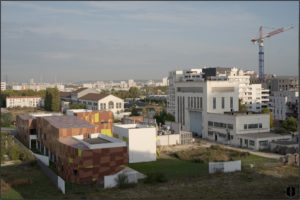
point(102, 119)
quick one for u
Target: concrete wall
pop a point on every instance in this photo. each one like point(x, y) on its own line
point(141, 141)
point(110, 181)
point(229, 166)
point(171, 139)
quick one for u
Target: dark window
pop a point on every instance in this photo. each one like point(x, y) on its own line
point(32, 131)
point(251, 142)
point(223, 102)
point(231, 102)
point(245, 126)
point(229, 126)
point(214, 103)
point(260, 125)
point(104, 122)
point(210, 123)
point(75, 172)
point(62, 168)
point(252, 126)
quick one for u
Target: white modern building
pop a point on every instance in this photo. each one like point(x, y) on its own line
point(284, 104)
point(230, 127)
point(173, 76)
point(94, 101)
point(24, 101)
point(140, 139)
point(3, 86)
point(131, 83)
point(199, 92)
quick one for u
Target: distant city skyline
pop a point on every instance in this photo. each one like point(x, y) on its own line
point(81, 41)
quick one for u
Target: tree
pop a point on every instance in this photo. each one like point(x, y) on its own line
point(52, 99)
point(77, 106)
point(163, 116)
point(6, 119)
point(266, 110)
point(290, 124)
point(242, 107)
point(134, 111)
point(133, 92)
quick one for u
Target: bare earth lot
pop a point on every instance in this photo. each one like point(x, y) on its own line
point(186, 169)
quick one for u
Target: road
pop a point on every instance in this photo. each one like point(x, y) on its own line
point(258, 153)
point(11, 131)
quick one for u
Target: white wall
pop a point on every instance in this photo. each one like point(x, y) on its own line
point(24, 102)
point(141, 142)
point(229, 166)
point(110, 181)
point(170, 139)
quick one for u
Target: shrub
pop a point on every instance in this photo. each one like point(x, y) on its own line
point(122, 181)
point(198, 160)
point(155, 177)
point(4, 186)
point(215, 147)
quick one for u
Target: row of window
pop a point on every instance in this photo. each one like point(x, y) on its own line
point(252, 126)
point(195, 102)
point(222, 103)
point(220, 125)
point(222, 135)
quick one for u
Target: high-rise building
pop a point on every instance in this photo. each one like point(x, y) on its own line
point(3, 86)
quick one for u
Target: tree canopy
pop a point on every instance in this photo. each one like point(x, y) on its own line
point(163, 116)
point(242, 107)
point(290, 124)
point(77, 106)
point(52, 99)
point(134, 111)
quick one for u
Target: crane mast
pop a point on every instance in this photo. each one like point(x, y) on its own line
point(260, 42)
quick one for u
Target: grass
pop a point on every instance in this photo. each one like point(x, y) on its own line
point(186, 179)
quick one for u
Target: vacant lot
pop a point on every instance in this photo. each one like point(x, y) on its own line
point(187, 178)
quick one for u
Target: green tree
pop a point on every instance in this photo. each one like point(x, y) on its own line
point(77, 106)
point(52, 99)
point(266, 110)
point(104, 92)
point(133, 92)
point(242, 107)
point(6, 119)
point(134, 111)
point(163, 116)
point(290, 124)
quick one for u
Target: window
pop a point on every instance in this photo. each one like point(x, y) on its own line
point(195, 106)
point(260, 125)
point(246, 142)
point(231, 137)
point(245, 126)
point(251, 142)
point(263, 143)
point(110, 105)
point(231, 102)
point(189, 102)
point(200, 102)
point(198, 105)
point(252, 126)
point(210, 123)
point(192, 102)
point(229, 126)
point(104, 122)
point(223, 102)
point(95, 104)
point(211, 133)
point(214, 103)
point(75, 172)
point(104, 106)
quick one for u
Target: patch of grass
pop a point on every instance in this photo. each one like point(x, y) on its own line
point(155, 177)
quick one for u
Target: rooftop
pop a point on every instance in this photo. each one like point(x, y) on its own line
point(97, 140)
point(73, 143)
point(10, 97)
point(262, 135)
point(68, 122)
point(65, 94)
point(242, 113)
point(79, 90)
point(93, 96)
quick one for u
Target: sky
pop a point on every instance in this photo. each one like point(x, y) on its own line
point(99, 40)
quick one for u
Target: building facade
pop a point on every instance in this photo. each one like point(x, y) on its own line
point(103, 102)
point(3, 86)
point(24, 101)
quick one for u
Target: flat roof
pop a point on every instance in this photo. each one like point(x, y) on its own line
point(73, 143)
point(68, 122)
point(243, 113)
point(285, 142)
point(96, 140)
point(262, 135)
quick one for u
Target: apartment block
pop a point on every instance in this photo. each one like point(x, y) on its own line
point(24, 101)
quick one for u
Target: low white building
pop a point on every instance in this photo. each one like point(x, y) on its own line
point(140, 139)
point(24, 101)
point(226, 128)
point(102, 102)
point(3, 86)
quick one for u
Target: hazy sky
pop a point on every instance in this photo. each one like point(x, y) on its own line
point(80, 41)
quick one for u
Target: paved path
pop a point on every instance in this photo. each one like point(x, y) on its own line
point(258, 153)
